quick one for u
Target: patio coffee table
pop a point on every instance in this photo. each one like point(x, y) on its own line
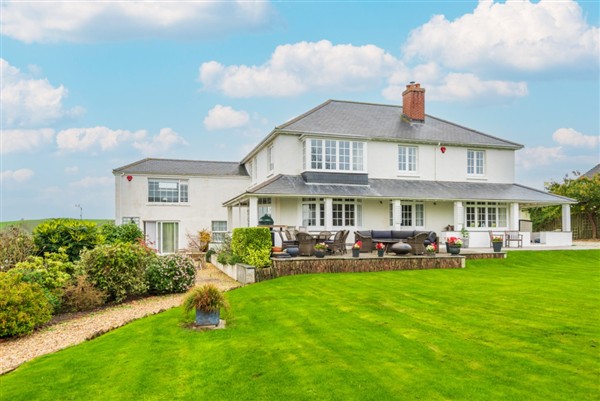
point(400, 248)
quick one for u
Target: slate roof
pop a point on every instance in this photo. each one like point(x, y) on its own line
point(593, 171)
point(369, 120)
point(291, 185)
point(183, 167)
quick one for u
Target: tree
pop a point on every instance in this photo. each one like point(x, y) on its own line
point(584, 189)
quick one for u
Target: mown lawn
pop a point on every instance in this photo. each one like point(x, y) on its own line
point(524, 328)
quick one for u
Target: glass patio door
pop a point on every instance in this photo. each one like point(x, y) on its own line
point(163, 234)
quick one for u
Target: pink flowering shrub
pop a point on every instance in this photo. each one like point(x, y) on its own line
point(170, 274)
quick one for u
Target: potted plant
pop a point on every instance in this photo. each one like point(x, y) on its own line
point(430, 250)
point(356, 249)
point(380, 249)
point(453, 245)
point(207, 300)
point(497, 243)
point(320, 249)
point(465, 237)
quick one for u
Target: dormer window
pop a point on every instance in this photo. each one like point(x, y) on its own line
point(334, 155)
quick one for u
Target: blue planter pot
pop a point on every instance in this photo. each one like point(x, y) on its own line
point(453, 250)
point(293, 251)
point(355, 253)
point(207, 319)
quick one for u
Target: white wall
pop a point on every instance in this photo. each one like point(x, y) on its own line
point(434, 165)
point(206, 195)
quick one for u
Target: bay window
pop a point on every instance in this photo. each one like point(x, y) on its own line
point(333, 155)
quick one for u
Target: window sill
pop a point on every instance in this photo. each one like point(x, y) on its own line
point(167, 204)
point(477, 178)
point(408, 174)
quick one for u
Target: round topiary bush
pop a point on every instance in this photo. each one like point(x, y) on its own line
point(118, 269)
point(170, 274)
point(23, 306)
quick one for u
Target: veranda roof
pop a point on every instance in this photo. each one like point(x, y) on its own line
point(296, 186)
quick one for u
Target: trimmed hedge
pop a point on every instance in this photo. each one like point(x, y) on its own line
point(129, 232)
point(252, 245)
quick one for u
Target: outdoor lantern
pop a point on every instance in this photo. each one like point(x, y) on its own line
point(443, 149)
point(129, 177)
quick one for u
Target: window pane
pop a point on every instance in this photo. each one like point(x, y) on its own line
point(169, 237)
point(316, 154)
point(349, 214)
point(357, 156)
point(470, 162)
point(330, 155)
point(344, 152)
point(338, 216)
point(391, 213)
point(419, 215)
point(406, 215)
point(471, 222)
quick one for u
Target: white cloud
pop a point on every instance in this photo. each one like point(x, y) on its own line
point(515, 35)
point(20, 175)
point(102, 138)
point(92, 21)
point(225, 117)
point(535, 157)
point(29, 102)
point(462, 87)
point(93, 182)
point(301, 67)
point(24, 140)
point(570, 137)
point(72, 170)
point(159, 144)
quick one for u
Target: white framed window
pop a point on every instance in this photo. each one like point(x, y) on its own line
point(407, 159)
point(412, 214)
point(475, 162)
point(218, 230)
point(270, 162)
point(264, 207)
point(486, 215)
point(346, 212)
point(333, 155)
point(162, 235)
point(313, 212)
point(161, 190)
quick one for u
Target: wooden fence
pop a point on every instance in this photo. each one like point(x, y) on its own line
point(580, 226)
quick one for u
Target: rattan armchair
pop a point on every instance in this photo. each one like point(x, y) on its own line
point(417, 243)
point(366, 241)
point(306, 244)
point(286, 241)
point(337, 244)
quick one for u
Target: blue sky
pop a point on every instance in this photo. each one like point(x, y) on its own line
point(88, 87)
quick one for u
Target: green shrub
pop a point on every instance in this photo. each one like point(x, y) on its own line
point(82, 296)
point(52, 273)
point(117, 269)
point(170, 274)
point(129, 233)
point(72, 235)
point(15, 246)
point(209, 254)
point(23, 306)
point(252, 245)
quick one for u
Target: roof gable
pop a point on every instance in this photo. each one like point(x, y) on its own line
point(378, 121)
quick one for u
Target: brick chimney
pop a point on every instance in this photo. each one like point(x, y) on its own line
point(413, 103)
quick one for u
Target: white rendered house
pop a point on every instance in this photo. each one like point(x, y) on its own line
point(344, 165)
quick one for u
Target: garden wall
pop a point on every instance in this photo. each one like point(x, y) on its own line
point(293, 266)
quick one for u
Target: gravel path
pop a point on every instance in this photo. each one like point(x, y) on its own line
point(72, 329)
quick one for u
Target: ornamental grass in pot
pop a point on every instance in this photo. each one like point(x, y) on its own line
point(208, 301)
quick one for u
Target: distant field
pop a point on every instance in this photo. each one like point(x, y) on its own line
point(29, 225)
